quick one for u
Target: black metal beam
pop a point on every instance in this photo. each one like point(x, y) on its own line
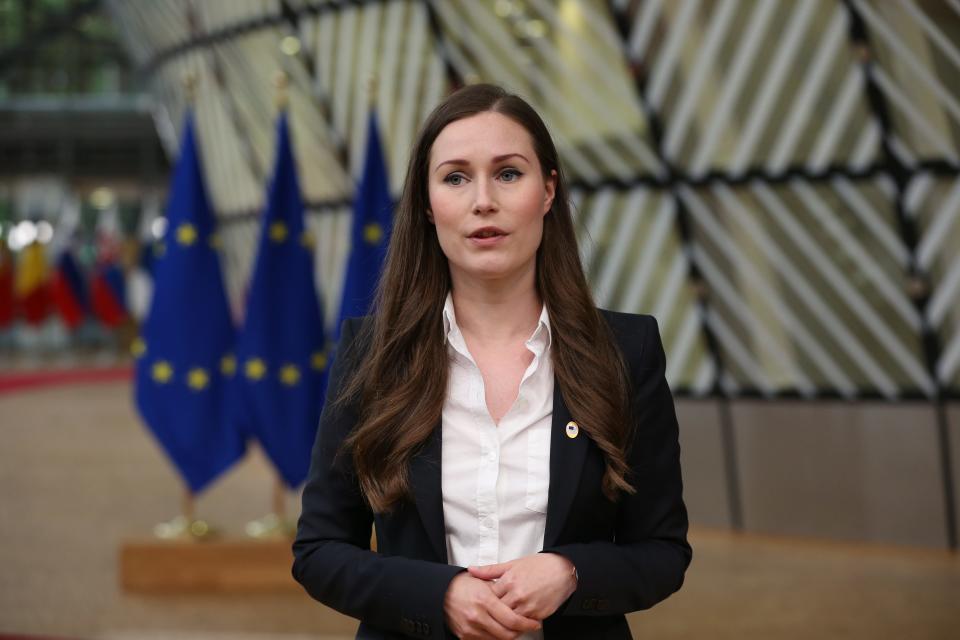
point(909, 234)
point(696, 279)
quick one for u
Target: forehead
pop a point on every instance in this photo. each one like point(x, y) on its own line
point(481, 136)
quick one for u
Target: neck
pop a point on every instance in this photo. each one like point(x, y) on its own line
point(496, 310)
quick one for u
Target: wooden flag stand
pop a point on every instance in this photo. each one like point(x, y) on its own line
point(186, 555)
point(222, 566)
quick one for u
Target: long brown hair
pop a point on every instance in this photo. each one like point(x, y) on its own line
point(400, 380)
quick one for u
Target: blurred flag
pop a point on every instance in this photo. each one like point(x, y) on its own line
point(69, 291)
point(108, 288)
point(372, 221)
point(108, 294)
point(140, 276)
point(6, 285)
point(281, 348)
point(33, 284)
point(140, 281)
point(184, 353)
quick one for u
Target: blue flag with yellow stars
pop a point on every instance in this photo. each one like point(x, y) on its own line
point(372, 221)
point(281, 348)
point(184, 358)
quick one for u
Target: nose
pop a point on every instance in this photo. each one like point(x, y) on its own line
point(484, 200)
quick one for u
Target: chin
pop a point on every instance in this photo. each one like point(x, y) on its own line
point(492, 270)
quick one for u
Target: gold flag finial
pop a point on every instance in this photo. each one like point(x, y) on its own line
point(372, 84)
point(280, 83)
point(190, 80)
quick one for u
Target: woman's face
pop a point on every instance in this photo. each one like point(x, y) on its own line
point(488, 197)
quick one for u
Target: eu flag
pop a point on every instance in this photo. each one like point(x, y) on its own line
point(372, 221)
point(184, 355)
point(281, 348)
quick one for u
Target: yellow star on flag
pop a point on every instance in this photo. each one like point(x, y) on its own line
point(186, 234)
point(255, 368)
point(318, 360)
point(278, 232)
point(372, 233)
point(161, 371)
point(198, 379)
point(289, 374)
point(228, 365)
point(138, 347)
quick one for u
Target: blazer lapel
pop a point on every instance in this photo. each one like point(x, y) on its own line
point(425, 482)
point(567, 456)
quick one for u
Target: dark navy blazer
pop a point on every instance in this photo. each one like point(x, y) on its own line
point(629, 555)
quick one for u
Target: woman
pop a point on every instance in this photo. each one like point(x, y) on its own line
point(515, 447)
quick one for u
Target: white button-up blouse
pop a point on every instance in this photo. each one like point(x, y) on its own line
point(495, 477)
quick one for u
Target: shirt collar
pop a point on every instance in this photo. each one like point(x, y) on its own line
point(541, 337)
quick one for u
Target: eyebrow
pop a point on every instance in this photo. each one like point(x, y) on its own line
point(496, 159)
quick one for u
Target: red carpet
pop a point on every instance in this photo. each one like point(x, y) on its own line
point(4, 636)
point(22, 380)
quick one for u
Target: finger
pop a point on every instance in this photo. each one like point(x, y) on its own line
point(489, 571)
point(499, 589)
point(489, 627)
point(511, 619)
point(493, 629)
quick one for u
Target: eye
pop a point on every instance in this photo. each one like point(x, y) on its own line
point(510, 175)
point(455, 179)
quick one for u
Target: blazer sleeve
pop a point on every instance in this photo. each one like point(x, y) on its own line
point(332, 556)
point(646, 561)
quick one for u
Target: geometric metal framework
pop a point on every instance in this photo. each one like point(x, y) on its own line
point(777, 182)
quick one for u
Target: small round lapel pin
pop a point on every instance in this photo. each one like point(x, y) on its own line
point(573, 429)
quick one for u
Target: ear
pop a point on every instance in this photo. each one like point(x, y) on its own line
point(550, 189)
point(430, 217)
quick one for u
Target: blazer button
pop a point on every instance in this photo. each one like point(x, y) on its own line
point(588, 604)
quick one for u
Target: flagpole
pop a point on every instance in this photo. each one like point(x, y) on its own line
point(187, 505)
point(186, 526)
point(190, 87)
point(275, 523)
point(279, 523)
point(187, 501)
point(280, 500)
point(281, 98)
point(372, 87)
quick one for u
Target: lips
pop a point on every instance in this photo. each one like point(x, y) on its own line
point(485, 233)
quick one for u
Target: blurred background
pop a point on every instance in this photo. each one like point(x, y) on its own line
point(776, 181)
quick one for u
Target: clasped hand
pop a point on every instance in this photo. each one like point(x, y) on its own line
point(505, 600)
